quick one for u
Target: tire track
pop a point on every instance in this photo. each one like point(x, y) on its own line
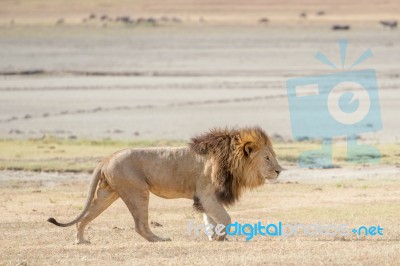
point(146, 106)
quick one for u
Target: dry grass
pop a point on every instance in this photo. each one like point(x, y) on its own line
point(27, 237)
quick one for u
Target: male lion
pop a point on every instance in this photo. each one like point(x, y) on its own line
point(213, 170)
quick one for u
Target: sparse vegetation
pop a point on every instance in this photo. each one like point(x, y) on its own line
point(64, 155)
point(74, 155)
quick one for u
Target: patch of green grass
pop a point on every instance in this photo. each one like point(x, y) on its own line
point(64, 155)
point(81, 155)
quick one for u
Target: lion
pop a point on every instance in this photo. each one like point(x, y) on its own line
point(213, 169)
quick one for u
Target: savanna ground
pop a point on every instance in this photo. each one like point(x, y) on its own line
point(354, 195)
point(74, 89)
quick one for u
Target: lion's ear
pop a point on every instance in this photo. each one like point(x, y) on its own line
point(248, 148)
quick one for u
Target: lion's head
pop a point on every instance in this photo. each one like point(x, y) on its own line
point(241, 159)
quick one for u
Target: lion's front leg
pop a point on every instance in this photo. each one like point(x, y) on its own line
point(209, 221)
point(215, 214)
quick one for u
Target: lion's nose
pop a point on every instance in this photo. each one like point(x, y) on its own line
point(277, 172)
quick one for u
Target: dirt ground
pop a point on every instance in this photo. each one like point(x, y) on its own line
point(360, 196)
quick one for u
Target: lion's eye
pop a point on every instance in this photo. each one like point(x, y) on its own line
point(267, 158)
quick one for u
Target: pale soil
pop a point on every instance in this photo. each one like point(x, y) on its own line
point(202, 12)
point(364, 196)
point(174, 82)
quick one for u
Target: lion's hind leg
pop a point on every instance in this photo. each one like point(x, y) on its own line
point(104, 197)
point(137, 201)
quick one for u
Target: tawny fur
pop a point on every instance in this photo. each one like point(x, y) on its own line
point(213, 170)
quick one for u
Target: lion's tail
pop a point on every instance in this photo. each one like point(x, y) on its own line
point(92, 190)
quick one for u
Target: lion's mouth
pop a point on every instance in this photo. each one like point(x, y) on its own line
point(271, 180)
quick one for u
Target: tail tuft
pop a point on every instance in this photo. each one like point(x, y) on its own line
point(53, 221)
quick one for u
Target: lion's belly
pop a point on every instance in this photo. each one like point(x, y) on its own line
point(171, 193)
point(172, 183)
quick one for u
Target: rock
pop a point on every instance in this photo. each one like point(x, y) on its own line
point(176, 20)
point(124, 19)
point(277, 137)
point(152, 21)
point(156, 224)
point(389, 23)
point(340, 27)
point(15, 131)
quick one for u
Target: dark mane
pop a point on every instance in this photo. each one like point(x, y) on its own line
point(228, 148)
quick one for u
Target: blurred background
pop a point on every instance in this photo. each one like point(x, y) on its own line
point(169, 69)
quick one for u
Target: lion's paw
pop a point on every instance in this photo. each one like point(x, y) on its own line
point(82, 242)
point(218, 238)
point(162, 239)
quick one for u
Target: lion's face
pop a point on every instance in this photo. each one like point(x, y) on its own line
point(262, 165)
point(269, 166)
